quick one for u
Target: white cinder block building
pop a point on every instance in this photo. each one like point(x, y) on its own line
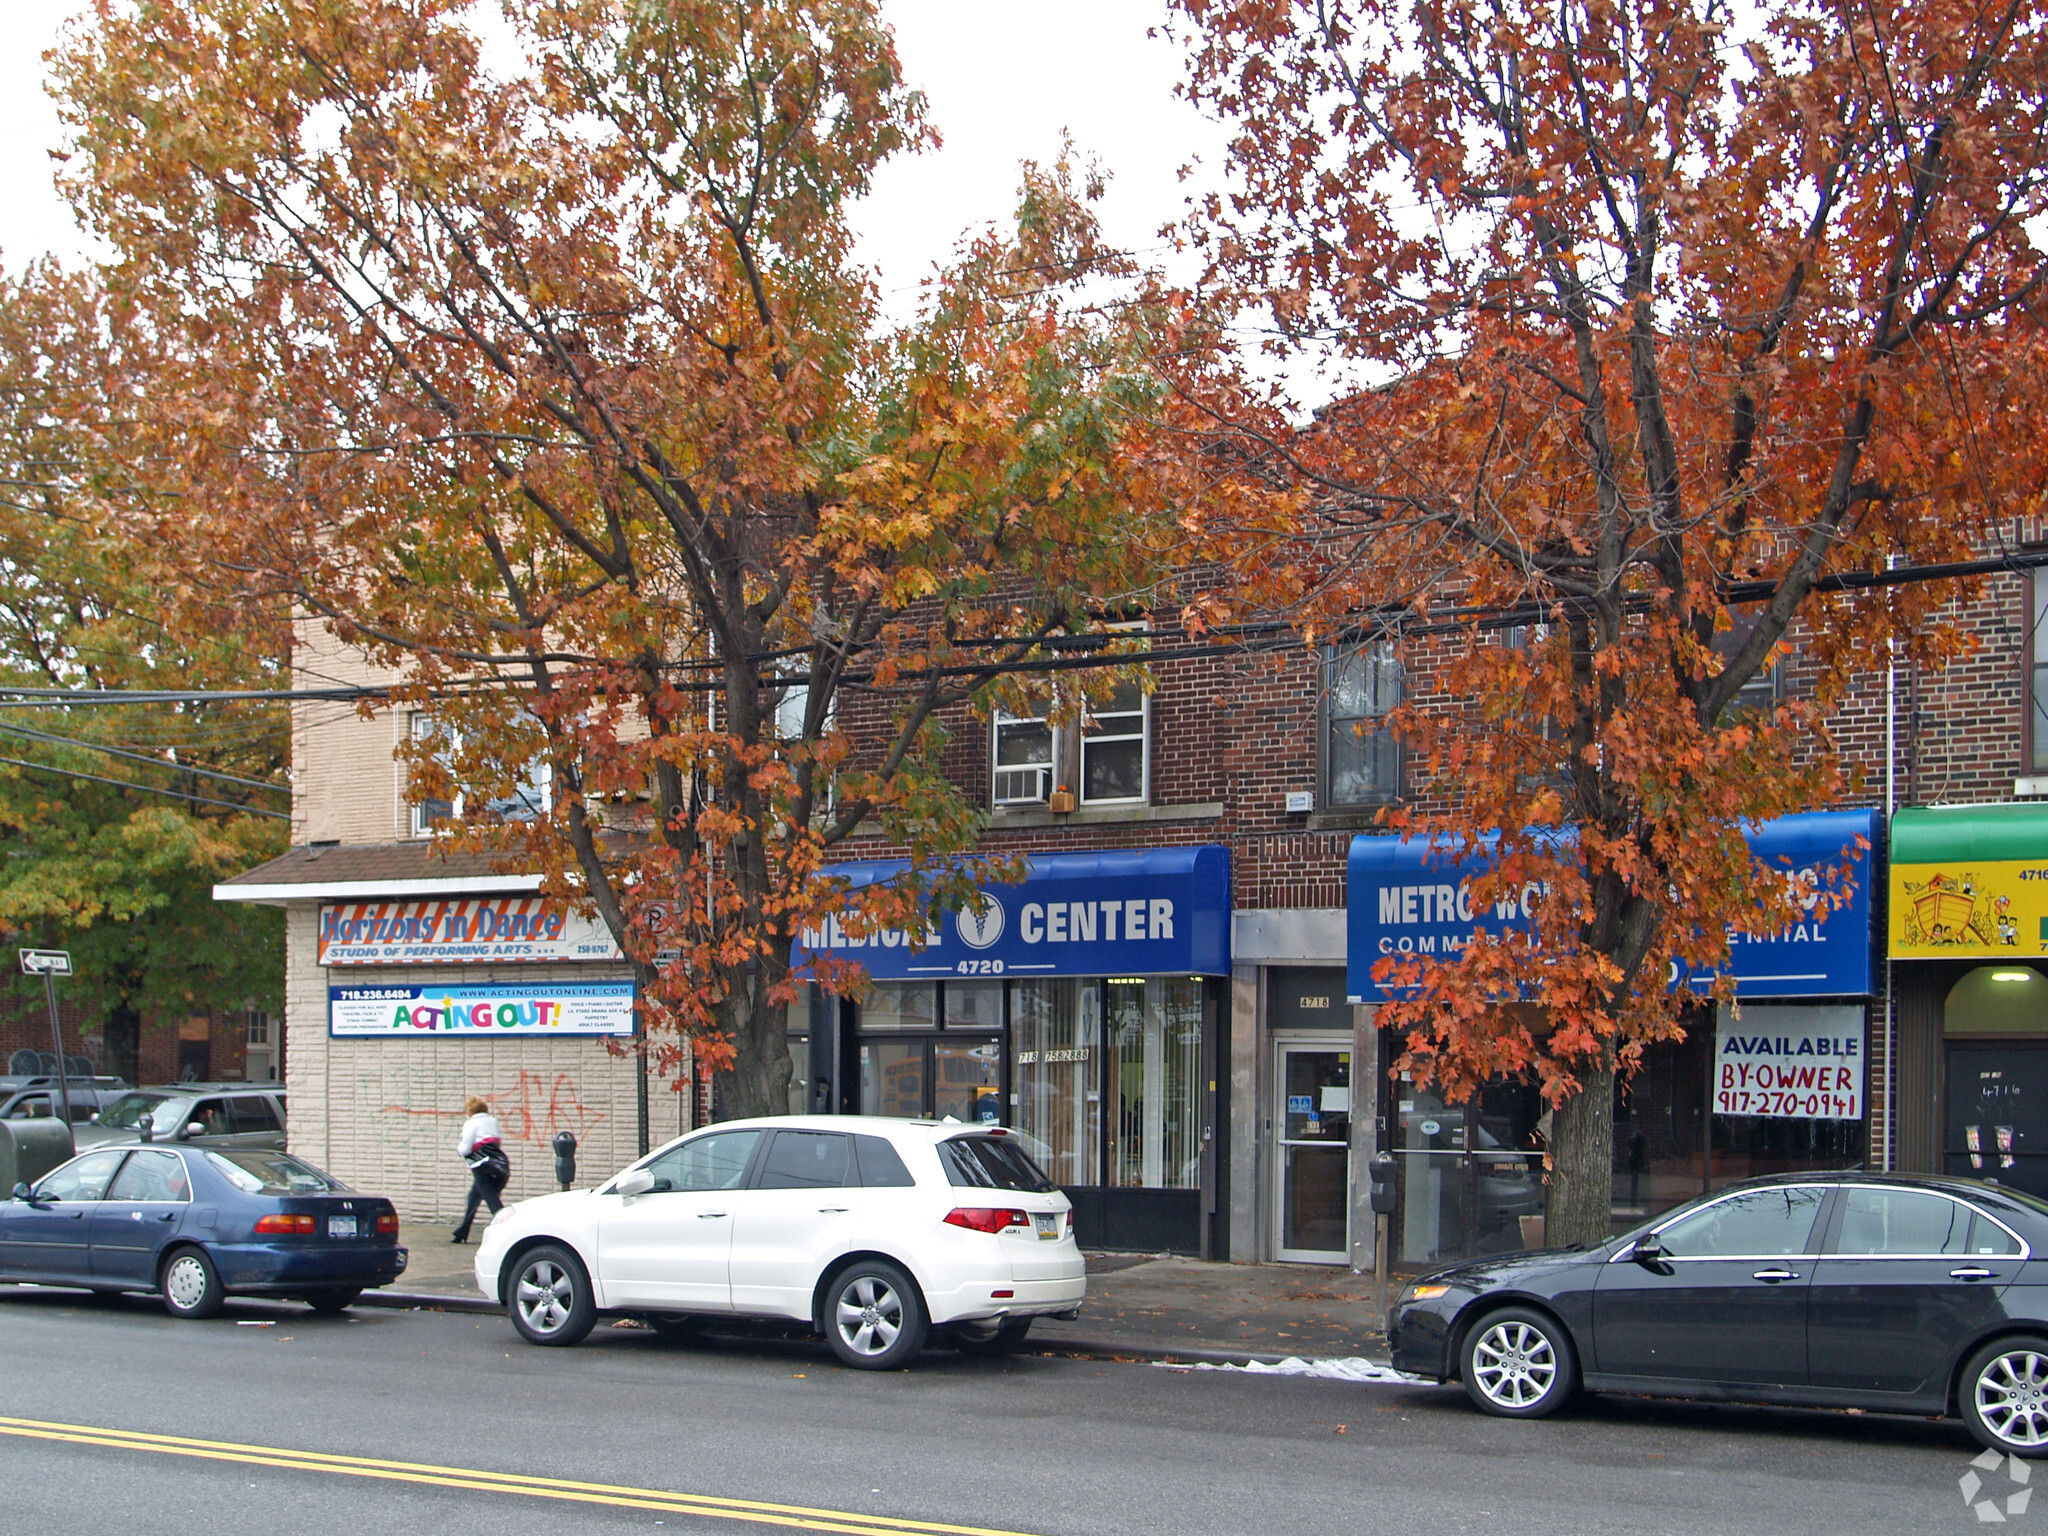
point(415, 979)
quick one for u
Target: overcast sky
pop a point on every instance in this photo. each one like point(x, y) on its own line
point(1003, 79)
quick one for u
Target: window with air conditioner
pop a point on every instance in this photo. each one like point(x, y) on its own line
point(1023, 758)
point(1102, 754)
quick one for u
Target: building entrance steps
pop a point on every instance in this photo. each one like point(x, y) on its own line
point(1139, 1306)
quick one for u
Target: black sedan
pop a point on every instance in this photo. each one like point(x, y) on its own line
point(195, 1226)
point(1845, 1290)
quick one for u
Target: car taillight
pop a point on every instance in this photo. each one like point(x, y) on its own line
point(387, 1222)
point(284, 1223)
point(980, 1219)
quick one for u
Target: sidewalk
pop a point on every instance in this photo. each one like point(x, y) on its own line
point(1142, 1306)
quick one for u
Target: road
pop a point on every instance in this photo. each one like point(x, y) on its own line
point(1036, 1445)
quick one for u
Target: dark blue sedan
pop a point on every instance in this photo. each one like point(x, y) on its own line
point(196, 1226)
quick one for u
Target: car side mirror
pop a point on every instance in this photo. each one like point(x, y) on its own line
point(92, 1119)
point(187, 1132)
point(1649, 1250)
point(23, 1192)
point(638, 1182)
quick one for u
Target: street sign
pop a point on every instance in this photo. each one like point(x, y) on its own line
point(46, 962)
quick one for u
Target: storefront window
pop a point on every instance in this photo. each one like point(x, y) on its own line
point(1155, 1036)
point(1056, 1030)
point(898, 1005)
point(892, 1077)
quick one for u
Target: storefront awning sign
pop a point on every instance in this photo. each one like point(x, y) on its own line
point(1970, 882)
point(446, 1012)
point(1162, 911)
point(476, 930)
point(1405, 899)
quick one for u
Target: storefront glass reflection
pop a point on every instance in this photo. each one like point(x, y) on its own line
point(1155, 1033)
point(1056, 1031)
point(1475, 1183)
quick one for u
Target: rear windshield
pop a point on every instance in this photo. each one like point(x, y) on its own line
point(985, 1162)
point(273, 1173)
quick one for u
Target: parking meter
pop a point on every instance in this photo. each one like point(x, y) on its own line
point(1384, 1197)
point(565, 1158)
point(145, 1127)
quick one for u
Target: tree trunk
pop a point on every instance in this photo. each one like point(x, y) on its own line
point(121, 1041)
point(1582, 1163)
point(758, 1081)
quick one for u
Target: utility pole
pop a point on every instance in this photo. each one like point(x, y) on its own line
point(50, 964)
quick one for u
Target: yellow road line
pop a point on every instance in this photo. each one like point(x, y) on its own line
point(794, 1516)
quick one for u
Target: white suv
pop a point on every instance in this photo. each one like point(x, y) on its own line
point(872, 1231)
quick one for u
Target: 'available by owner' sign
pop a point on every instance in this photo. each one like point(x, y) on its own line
point(1790, 1063)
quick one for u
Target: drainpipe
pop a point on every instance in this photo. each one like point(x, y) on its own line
point(1891, 796)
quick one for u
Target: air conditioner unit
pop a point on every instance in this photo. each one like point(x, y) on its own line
point(1023, 786)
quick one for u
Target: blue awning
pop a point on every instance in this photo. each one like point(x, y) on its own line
point(1405, 899)
point(1141, 912)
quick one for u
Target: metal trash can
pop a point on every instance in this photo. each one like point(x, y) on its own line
point(31, 1148)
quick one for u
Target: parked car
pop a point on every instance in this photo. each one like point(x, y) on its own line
point(873, 1231)
point(1890, 1293)
point(204, 1114)
point(197, 1225)
point(37, 1097)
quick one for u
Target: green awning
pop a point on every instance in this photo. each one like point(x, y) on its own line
point(1991, 833)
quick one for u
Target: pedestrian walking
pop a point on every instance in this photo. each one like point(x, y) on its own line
point(481, 1146)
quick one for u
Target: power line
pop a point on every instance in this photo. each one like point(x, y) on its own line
point(147, 789)
point(1245, 639)
point(170, 764)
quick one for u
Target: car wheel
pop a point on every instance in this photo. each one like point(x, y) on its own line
point(874, 1317)
point(1519, 1364)
point(339, 1299)
point(673, 1328)
point(550, 1295)
point(191, 1285)
point(990, 1338)
point(2004, 1396)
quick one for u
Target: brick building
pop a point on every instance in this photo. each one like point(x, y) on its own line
point(1164, 1003)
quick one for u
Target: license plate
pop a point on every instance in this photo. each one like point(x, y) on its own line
point(1048, 1226)
point(341, 1226)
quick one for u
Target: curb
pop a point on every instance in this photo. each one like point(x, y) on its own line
point(427, 1300)
point(1094, 1349)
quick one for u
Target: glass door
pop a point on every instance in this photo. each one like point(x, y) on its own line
point(1312, 1153)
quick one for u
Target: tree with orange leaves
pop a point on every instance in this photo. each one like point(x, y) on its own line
point(1669, 325)
point(536, 364)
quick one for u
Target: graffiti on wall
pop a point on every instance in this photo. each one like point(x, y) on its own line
point(531, 1107)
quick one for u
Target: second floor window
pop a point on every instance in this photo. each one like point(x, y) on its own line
point(1361, 757)
point(529, 801)
point(1104, 757)
point(1022, 759)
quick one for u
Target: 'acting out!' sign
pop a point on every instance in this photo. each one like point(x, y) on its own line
point(477, 1012)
